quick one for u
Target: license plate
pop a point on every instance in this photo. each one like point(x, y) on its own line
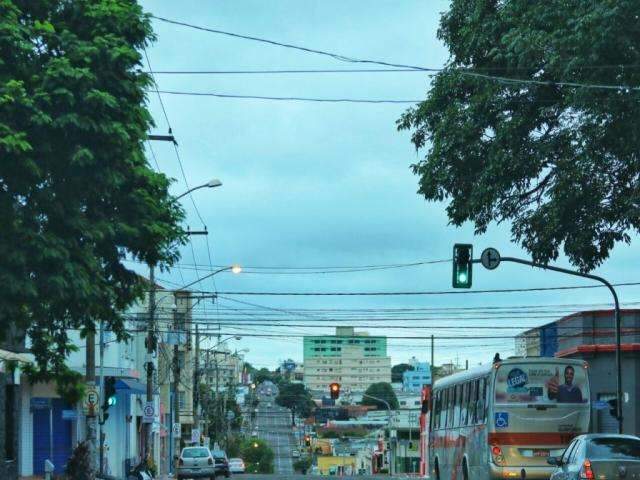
point(541, 453)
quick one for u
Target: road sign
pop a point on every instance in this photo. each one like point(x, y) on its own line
point(195, 435)
point(148, 412)
point(69, 414)
point(176, 430)
point(490, 258)
point(91, 400)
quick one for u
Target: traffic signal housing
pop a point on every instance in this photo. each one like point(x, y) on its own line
point(109, 396)
point(334, 390)
point(462, 265)
point(307, 440)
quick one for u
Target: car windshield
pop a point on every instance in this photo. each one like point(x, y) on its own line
point(195, 452)
point(614, 448)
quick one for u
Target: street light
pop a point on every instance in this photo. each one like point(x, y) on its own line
point(382, 400)
point(214, 182)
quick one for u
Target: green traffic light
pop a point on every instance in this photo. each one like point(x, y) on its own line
point(111, 401)
point(462, 277)
point(462, 265)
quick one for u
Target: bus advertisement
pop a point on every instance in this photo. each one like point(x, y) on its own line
point(504, 420)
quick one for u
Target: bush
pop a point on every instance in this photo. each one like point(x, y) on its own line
point(302, 465)
point(257, 456)
point(79, 464)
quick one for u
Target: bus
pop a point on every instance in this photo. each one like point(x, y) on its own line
point(505, 419)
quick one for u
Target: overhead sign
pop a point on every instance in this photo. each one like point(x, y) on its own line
point(490, 258)
point(148, 412)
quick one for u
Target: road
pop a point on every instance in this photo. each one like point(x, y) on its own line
point(273, 424)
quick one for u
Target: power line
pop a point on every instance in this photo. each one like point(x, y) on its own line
point(344, 58)
point(411, 293)
point(290, 99)
point(284, 72)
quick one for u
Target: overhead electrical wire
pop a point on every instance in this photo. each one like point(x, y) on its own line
point(348, 59)
point(288, 99)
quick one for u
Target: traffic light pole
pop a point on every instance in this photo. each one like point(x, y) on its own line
point(617, 318)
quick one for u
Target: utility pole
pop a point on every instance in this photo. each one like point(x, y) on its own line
point(207, 396)
point(102, 399)
point(151, 344)
point(432, 358)
point(196, 382)
point(217, 404)
point(92, 421)
point(176, 381)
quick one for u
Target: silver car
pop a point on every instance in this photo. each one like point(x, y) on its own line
point(599, 456)
point(196, 462)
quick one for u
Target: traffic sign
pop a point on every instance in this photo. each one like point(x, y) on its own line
point(148, 412)
point(91, 400)
point(490, 258)
point(176, 430)
point(195, 435)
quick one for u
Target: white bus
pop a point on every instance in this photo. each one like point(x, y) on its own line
point(504, 420)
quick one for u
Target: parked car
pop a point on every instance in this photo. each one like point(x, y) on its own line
point(236, 465)
point(295, 453)
point(196, 462)
point(598, 456)
point(222, 463)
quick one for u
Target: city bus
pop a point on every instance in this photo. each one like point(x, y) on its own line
point(505, 419)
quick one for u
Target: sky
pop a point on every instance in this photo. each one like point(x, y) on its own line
point(308, 186)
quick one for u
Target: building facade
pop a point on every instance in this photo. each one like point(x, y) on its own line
point(414, 380)
point(590, 336)
point(353, 359)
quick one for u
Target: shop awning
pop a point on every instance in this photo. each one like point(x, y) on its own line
point(130, 385)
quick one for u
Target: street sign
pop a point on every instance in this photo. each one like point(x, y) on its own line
point(69, 414)
point(195, 435)
point(490, 258)
point(91, 400)
point(176, 430)
point(148, 412)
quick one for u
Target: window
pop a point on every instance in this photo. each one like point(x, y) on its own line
point(473, 399)
point(464, 404)
point(575, 454)
point(481, 406)
point(451, 406)
point(182, 400)
point(568, 451)
point(458, 410)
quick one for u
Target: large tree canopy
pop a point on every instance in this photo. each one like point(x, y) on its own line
point(383, 391)
point(561, 162)
point(76, 192)
point(295, 397)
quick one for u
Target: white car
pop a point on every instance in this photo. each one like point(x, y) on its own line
point(236, 465)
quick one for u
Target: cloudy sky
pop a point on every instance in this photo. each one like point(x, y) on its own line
point(313, 186)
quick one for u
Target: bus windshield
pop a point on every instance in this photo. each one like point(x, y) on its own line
point(541, 383)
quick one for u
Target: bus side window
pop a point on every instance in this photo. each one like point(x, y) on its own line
point(456, 406)
point(435, 411)
point(473, 389)
point(450, 404)
point(482, 401)
point(442, 417)
point(464, 404)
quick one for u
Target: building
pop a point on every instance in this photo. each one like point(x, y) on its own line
point(353, 359)
point(414, 380)
point(590, 336)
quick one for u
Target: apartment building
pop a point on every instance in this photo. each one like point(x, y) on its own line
point(353, 359)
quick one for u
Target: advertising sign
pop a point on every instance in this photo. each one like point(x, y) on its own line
point(542, 383)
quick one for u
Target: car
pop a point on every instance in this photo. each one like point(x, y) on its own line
point(221, 462)
point(598, 456)
point(236, 465)
point(196, 462)
point(295, 453)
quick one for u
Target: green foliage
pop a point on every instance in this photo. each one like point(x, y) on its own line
point(560, 163)
point(216, 410)
point(234, 446)
point(384, 391)
point(257, 455)
point(79, 463)
point(296, 397)
point(77, 195)
point(262, 375)
point(398, 370)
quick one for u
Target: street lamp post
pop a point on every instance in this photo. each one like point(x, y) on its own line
point(388, 425)
point(210, 184)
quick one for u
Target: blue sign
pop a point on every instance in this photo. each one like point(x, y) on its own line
point(601, 405)
point(69, 414)
point(517, 378)
point(502, 419)
point(40, 403)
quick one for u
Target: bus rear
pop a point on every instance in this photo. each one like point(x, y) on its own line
point(537, 407)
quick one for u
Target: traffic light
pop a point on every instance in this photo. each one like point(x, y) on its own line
point(307, 440)
point(334, 389)
point(462, 265)
point(109, 396)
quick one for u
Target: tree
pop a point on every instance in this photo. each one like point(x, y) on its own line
point(382, 390)
point(398, 370)
point(559, 161)
point(296, 397)
point(258, 456)
point(216, 412)
point(77, 195)
point(262, 375)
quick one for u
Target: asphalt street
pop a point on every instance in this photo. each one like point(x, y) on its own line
point(273, 424)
